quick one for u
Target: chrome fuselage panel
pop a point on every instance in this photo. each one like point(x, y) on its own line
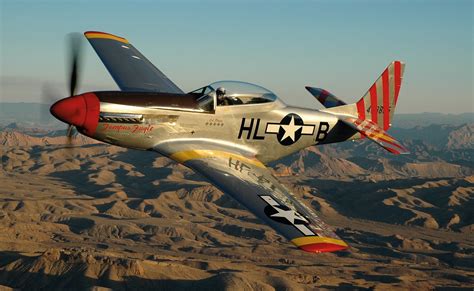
point(258, 129)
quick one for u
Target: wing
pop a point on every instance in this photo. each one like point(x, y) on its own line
point(249, 182)
point(129, 68)
point(376, 134)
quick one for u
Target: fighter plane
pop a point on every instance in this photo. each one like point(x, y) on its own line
point(228, 131)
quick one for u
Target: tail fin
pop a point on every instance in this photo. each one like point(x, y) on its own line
point(371, 116)
point(378, 104)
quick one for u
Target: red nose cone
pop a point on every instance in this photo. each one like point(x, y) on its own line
point(70, 110)
point(81, 111)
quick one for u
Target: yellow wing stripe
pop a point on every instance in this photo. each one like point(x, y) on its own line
point(382, 136)
point(185, 156)
point(307, 240)
point(94, 34)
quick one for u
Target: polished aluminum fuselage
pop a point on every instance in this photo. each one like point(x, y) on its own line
point(245, 128)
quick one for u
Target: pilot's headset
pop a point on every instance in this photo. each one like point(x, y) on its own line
point(220, 92)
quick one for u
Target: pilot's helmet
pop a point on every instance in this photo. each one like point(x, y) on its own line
point(220, 91)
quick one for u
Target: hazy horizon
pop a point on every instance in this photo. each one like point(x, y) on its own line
point(341, 46)
point(319, 106)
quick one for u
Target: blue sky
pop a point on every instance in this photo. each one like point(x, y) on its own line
point(341, 46)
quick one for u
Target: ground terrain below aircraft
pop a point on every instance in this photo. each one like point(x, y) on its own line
point(227, 131)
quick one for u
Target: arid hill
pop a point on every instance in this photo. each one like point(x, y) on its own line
point(95, 215)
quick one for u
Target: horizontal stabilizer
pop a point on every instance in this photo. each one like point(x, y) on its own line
point(324, 97)
point(372, 131)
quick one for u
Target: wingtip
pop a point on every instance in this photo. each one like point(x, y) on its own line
point(317, 244)
point(310, 89)
point(105, 35)
point(323, 248)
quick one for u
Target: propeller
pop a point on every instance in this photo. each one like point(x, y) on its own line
point(75, 58)
point(74, 62)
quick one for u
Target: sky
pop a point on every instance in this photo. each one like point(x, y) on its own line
point(341, 46)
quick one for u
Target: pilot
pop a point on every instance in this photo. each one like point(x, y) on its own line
point(221, 98)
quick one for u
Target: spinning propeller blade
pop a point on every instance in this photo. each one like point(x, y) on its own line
point(74, 62)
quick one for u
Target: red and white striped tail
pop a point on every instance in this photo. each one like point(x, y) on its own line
point(371, 130)
point(378, 104)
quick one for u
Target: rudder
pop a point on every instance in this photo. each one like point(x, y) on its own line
point(378, 104)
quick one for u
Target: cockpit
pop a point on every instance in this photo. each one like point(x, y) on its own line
point(227, 93)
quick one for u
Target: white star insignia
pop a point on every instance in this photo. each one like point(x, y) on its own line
point(290, 129)
point(290, 215)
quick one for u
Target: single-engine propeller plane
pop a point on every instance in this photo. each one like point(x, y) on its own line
point(227, 131)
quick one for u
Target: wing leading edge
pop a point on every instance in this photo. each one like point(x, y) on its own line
point(249, 182)
point(128, 67)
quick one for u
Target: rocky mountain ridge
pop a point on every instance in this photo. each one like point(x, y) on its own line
point(97, 216)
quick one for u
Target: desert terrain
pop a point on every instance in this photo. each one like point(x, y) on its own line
point(95, 216)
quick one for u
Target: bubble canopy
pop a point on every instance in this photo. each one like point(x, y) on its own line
point(247, 92)
point(235, 93)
